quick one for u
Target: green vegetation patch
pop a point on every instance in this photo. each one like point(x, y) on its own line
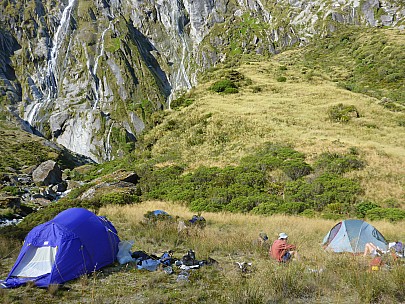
point(19, 149)
point(225, 86)
point(275, 179)
point(373, 61)
point(342, 113)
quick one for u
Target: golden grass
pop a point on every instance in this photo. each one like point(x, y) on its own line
point(318, 277)
point(292, 112)
point(236, 229)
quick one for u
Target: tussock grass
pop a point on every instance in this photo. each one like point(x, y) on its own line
point(318, 277)
point(218, 130)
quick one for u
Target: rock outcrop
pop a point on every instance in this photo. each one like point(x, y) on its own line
point(47, 173)
point(89, 74)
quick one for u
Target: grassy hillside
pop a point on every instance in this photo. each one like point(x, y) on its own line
point(288, 100)
point(19, 149)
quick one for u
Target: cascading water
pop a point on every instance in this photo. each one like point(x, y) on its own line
point(246, 4)
point(94, 71)
point(108, 147)
point(52, 74)
point(50, 84)
point(181, 79)
point(182, 74)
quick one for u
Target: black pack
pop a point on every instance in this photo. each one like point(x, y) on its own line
point(189, 258)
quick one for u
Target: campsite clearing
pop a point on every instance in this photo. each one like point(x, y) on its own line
point(228, 238)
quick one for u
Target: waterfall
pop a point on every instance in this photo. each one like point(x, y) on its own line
point(182, 74)
point(246, 5)
point(94, 71)
point(51, 78)
point(178, 22)
point(32, 112)
point(108, 147)
point(56, 44)
point(266, 14)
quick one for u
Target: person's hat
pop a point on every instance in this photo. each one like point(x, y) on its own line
point(282, 235)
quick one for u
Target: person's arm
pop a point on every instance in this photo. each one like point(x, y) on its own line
point(290, 247)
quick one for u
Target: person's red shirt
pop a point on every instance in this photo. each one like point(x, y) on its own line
point(279, 248)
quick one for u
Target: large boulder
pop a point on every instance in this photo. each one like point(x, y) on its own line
point(47, 173)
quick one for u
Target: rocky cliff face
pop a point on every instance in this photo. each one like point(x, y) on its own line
point(88, 74)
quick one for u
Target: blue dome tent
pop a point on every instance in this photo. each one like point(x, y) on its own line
point(352, 236)
point(74, 243)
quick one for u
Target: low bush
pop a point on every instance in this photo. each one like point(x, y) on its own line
point(12, 190)
point(362, 208)
point(342, 113)
point(119, 198)
point(182, 101)
point(391, 214)
point(292, 208)
point(272, 180)
point(267, 208)
point(224, 86)
point(325, 189)
point(337, 163)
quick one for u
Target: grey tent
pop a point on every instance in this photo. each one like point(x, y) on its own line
point(352, 236)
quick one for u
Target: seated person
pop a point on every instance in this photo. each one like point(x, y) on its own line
point(282, 251)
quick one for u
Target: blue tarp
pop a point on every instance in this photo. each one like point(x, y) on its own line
point(160, 212)
point(74, 243)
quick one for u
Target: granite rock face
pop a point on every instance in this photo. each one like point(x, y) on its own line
point(89, 74)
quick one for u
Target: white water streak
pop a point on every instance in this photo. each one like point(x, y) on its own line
point(181, 76)
point(108, 147)
point(94, 72)
point(58, 40)
point(33, 111)
point(51, 79)
point(182, 70)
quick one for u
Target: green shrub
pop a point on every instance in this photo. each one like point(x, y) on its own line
point(337, 163)
point(309, 213)
point(119, 198)
point(295, 168)
point(231, 90)
point(337, 208)
point(241, 204)
point(180, 102)
point(342, 113)
point(267, 208)
point(221, 86)
point(391, 214)
point(292, 208)
point(362, 208)
point(201, 204)
point(323, 190)
point(12, 190)
point(281, 79)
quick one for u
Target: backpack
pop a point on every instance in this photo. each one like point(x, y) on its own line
point(189, 258)
point(399, 247)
